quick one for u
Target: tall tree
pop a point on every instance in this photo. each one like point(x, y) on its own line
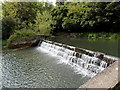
point(58, 13)
point(44, 23)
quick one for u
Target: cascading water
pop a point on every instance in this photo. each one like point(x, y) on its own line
point(84, 64)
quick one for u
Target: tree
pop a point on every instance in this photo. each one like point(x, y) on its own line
point(24, 11)
point(44, 23)
point(75, 20)
point(8, 26)
point(113, 16)
point(92, 17)
point(105, 16)
point(58, 13)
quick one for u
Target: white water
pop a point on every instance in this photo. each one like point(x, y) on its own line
point(83, 64)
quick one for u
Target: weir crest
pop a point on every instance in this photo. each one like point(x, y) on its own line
point(86, 62)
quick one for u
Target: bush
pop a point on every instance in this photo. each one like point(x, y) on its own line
point(114, 36)
point(21, 35)
point(8, 26)
point(92, 36)
point(44, 24)
point(103, 35)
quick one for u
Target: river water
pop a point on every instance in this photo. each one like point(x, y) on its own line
point(33, 68)
point(110, 47)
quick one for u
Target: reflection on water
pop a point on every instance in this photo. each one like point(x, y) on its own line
point(106, 46)
point(34, 69)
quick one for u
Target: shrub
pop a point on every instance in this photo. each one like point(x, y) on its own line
point(92, 36)
point(114, 36)
point(21, 35)
point(8, 26)
point(103, 35)
point(44, 23)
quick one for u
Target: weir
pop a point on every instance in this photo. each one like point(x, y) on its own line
point(86, 62)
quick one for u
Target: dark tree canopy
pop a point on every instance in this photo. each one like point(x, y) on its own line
point(44, 18)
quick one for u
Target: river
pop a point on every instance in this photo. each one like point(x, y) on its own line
point(32, 68)
point(110, 47)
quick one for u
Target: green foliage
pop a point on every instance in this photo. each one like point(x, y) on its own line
point(27, 11)
point(44, 23)
point(91, 36)
point(92, 17)
point(21, 35)
point(24, 12)
point(103, 35)
point(22, 15)
point(105, 16)
point(8, 26)
point(58, 13)
point(9, 9)
point(75, 17)
point(3, 43)
point(114, 36)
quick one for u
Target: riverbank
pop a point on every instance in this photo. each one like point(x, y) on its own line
point(5, 48)
point(8, 50)
point(33, 41)
point(102, 35)
point(20, 43)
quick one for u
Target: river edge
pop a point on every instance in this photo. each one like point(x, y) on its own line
point(21, 44)
point(33, 41)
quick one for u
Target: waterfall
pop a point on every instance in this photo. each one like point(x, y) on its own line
point(85, 64)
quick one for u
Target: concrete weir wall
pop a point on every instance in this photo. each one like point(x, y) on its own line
point(108, 78)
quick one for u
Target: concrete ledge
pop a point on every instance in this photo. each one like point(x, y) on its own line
point(108, 78)
point(78, 51)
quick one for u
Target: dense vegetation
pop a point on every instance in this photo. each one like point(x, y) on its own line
point(38, 18)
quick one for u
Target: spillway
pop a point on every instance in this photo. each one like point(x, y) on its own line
point(86, 62)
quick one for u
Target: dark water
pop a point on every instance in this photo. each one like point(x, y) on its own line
point(32, 68)
point(110, 47)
